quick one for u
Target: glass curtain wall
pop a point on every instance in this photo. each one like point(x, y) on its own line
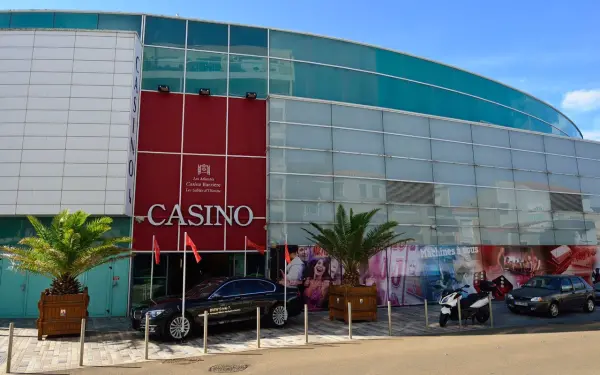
point(445, 182)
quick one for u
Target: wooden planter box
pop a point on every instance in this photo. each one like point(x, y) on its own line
point(61, 315)
point(362, 298)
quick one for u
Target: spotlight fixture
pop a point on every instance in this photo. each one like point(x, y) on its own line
point(164, 88)
point(204, 92)
point(250, 95)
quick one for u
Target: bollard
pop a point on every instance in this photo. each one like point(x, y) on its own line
point(459, 313)
point(426, 315)
point(146, 336)
point(491, 312)
point(81, 342)
point(305, 323)
point(389, 318)
point(11, 331)
point(258, 327)
point(350, 320)
point(205, 336)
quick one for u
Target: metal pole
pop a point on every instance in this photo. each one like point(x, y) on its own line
point(389, 318)
point(350, 320)
point(245, 254)
point(152, 267)
point(426, 315)
point(183, 286)
point(11, 331)
point(491, 312)
point(459, 313)
point(81, 341)
point(305, 323)
point(258, 327)
point(205, 336)
point(146, 336)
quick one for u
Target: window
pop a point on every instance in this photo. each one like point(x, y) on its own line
point(163, 67)
point(248, 40)
point(32, 20)
point(207, 36)
point(257, 286)
point(578, 283)
point(206, 70)
point(566, 285)
point(233, 288)
point(165, 32)
point(76, 21)
point(120, 22)
point(247, 74)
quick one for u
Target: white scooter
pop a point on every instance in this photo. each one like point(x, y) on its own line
point(474, 306)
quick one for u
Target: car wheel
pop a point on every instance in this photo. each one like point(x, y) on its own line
point(553, 310)
point(590, 306)
point(278, 315)
point(178, 327)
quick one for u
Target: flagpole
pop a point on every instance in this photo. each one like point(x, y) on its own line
point(183, 290)
point(245, 253)
point(285, 283)
point(152, 266)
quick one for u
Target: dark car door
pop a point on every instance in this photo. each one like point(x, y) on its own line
point(226, 303)
point(580, 292)
point(258, 293)
point(567, 294)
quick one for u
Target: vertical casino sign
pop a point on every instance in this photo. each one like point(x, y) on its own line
point(134, 123)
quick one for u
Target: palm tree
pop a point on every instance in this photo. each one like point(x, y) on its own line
point(68, 247)
point(351, 241)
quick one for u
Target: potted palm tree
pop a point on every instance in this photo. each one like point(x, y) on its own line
point(352, 241)
point(71, 245)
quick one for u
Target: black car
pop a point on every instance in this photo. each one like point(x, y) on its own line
point(226, 299)
point(551, 294)
point(597, 290)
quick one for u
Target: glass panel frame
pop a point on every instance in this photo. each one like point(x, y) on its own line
point(359, 190)
point(458, 235)
point(498, 218)
point(529, 161)
point(399, 123)
point(207, 36)
point(353, 165)
point(356, 118)
point(124, 22)
point(248, 40)
point(450, 130)
point(484, 135)
point(454, 195)
point(206, 70)
point(525, 141)
point(537, 237)
point(409, 170)
point(561, 164)
point(299, 111)
point(535, 220)
point(163, 66)
point(451, 152)
point(248, 74)
point(531, 180)
point(300, 161)
point(32, 20)
point(301, 212)
point(568, 220)
point(529, 200)
point(453, 173)
point(492, 156)
point(161, 31)
point(498, 236)
point(410, 147)
point(357, 141)
point(84, 21)
point(494, 177)
point(301, 136)
point(282, 186)
point(497, 198)
point(456, 217)
point(411, 215)
point(379, 218)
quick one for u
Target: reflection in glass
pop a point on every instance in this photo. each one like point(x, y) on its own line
point(458, 236)
point(408, 170)
point(399, 123)
point(410, 147)
point(124, 22)
point(574, 237)
point(163, 67)
point(588, 167)
point(563, 183)
point(164, 32)
point(247, 74)
point(421, 235)
point(32, 20)
point(490, 136)
point(560, 146)
point(358, 118)
point(299, 111)
point(458, 217)
point(498, 218)
point(454, 173)
point(451, 195)
point(207, 36)
point(87, 21)
point(300, 187)
point(568, 220)
point(533, 200)
point(206, 70)
point(494, 177)
point(561, 164)
point(359, 190)
point(299, 161)
point(537, 236)
point(450, 130)
point(379, 218)
point(293, 232)
point(530, 180)
point(248, 40)
point(452, 151)
point(497, 236)
point(529, 161)
point(358, 165)
point(357, 141)
point(302, 136)
point(305, 212)
point(493, 157)
point(534, 220)
point(525, 141)
point(589, 185)
point(497, 198)
point(412, 215)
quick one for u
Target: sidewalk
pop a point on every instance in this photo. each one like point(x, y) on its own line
point(112, 342)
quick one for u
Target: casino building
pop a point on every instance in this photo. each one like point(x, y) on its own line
point(226, 132)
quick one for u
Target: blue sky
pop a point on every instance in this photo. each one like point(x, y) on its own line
point(547, 48)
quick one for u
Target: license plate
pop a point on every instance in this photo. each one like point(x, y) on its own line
point(521, 303)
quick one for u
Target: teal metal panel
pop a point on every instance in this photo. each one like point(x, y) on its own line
point(12, 289)
point(98, 282)
point(36, 284)
point(120, 288)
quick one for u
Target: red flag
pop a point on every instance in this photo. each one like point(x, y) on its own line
point(287, 254)
point(252, 245)
point(156, 250)
point(190, 243)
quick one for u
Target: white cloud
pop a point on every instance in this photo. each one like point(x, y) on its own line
point(582, 100)
point(592, 135)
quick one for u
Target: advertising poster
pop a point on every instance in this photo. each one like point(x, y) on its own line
point(406, 275)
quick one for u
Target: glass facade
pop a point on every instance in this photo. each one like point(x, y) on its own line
point(297, 65)
point(487, 185)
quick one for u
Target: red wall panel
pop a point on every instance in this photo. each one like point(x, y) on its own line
point(204, 128)
point(246, 183)
point(203, 180)
point(205, 237)
point(247, 127)
point(160, 122)
point(166, 236)
point(157, 181)
point(255, 232)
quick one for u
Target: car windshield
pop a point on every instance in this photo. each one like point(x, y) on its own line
point(205, 288)
point(544, 283)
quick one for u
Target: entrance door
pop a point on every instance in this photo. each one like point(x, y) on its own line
point(13, 287)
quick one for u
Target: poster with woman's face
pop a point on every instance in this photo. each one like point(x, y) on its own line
point(375, 273)
point(317, 278)
point(397, 269)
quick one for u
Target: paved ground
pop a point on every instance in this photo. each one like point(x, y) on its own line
point(111, 342)
point(515, 352)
